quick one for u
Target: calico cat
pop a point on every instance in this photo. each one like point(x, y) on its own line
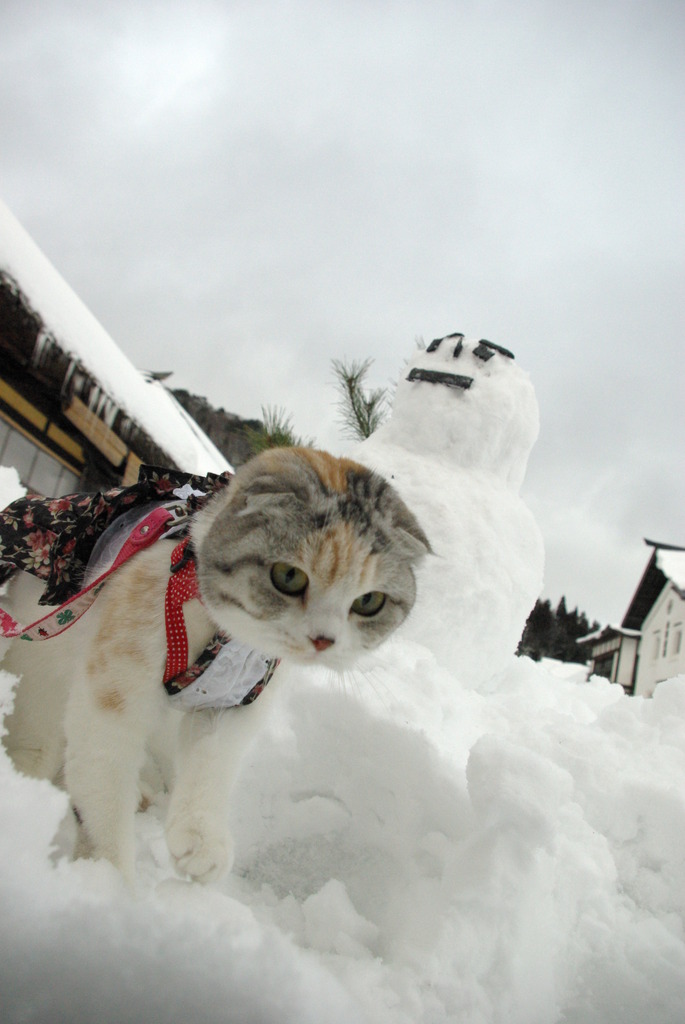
point(304, 557)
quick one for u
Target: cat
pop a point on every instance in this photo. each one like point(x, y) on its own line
point(305, 557)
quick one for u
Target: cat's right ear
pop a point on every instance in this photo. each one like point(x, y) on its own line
point(248, 504)
point(268, 494)
point(272, 480)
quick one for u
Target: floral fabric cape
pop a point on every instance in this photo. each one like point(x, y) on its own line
point(53, 538)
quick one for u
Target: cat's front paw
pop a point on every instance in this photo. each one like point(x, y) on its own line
point(199, 850)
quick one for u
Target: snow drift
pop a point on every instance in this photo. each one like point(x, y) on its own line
point(449, 834)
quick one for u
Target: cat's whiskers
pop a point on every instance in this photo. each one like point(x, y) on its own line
point(380, 690)
point(365, 682)
point(346, 684)
point(353, 685)
point(358, 682)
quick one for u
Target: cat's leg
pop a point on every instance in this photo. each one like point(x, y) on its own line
point(116, 701)
point(106, 732)
point(211, 747)
point(34, 735)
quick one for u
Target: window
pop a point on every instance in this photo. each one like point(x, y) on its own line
point(603, 666)
point(38, 471)
point(656, 651)
point(677, 640)
point(16, 450)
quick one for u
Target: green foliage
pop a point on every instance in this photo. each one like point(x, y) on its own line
point(276, 431)
point(361, 411)
point(553, 634)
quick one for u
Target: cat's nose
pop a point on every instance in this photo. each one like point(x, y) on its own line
point(322, 642)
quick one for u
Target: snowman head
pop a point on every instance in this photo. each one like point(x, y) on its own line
point(469, 402)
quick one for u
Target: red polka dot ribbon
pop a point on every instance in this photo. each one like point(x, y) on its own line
point(182, 587)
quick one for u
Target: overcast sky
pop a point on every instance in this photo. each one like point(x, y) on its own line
point(242, 191)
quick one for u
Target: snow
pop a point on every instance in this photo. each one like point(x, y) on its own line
point(81, 336)
point(672, 564)
point(451, 834)
point(570, 670)
point(612, 628)
point(459, 458)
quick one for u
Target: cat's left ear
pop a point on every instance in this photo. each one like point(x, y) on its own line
point(410, 534)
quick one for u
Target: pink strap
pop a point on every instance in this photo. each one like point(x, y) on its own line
point(60, 618)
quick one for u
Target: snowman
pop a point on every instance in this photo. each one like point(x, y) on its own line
point(456, 446)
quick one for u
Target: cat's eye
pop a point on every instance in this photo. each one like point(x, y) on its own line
point(369, 604)
point(289, 579)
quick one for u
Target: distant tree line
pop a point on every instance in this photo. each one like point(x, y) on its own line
point(553, 634)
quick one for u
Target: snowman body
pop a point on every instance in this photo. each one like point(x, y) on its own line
point(456, 446)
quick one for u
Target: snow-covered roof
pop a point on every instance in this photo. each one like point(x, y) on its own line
point(672, 565)
point(146, 402)
point(605, 631)
point(666, 560)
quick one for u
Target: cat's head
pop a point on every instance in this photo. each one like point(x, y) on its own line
point(307, 556)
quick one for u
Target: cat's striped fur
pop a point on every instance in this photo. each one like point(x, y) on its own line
point(340, 523)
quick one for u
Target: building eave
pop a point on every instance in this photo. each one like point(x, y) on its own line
point(649, 588)
point(26, 341)
point(608, 631)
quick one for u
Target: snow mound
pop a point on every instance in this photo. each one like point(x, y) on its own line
point(512, 854)
point(448, 834)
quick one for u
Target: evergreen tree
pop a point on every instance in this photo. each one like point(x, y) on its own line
point(553, 634)
point(538, 633)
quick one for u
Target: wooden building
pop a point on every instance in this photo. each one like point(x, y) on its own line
point(74, 411)
point(612, 653)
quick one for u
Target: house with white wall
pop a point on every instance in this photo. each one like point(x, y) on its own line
point(662, 652)
point(647, 647)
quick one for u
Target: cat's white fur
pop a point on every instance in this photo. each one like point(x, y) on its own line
point(91, 702)
point(114, 710)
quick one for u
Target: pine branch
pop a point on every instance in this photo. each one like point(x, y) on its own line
point(276, 431)
point(361, 411)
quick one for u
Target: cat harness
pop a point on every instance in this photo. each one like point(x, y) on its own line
point(88, 537)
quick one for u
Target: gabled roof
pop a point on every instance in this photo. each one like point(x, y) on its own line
point(50, 330)
point(665, 560)
point(608, 631)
